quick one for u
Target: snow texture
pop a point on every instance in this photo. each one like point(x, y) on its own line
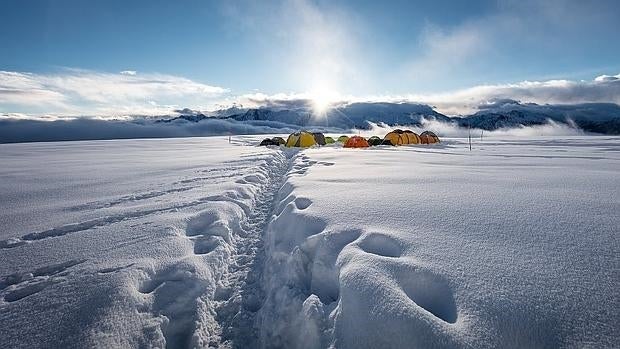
point(199, 242)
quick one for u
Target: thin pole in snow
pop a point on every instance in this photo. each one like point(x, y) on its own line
point(469, 136)
point(481, 133)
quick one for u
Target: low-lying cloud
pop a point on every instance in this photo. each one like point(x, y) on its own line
point(15, 131)
point(452, 130)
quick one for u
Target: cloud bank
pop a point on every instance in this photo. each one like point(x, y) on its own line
point(602, 89)
point(73, 93)
point(15, 131)
point(605, 89)
point(84, 92)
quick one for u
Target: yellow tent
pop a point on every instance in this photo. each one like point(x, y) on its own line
point(301, 139)
point(411, 137)
point(395, 138)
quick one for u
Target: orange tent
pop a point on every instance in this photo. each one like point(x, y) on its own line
point(356, 142)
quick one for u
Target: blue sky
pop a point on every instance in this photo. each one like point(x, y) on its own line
point(329, 49)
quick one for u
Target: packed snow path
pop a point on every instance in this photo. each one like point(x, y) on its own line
point(241, 287)
point(200, 243)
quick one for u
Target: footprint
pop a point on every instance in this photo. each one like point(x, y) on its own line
point(325, 250)
point(29, 290)
point(114, 269)
point(207, 222)
point(431, 292)
point(175, 292)
point(381, 245)
point(22, 285)
point(302, 203)
point(206, 244)
point(11, 243)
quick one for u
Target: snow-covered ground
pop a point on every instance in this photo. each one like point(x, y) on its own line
point(200, 242)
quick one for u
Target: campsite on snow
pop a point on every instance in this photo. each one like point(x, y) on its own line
point(309, 174)
point(200, 242)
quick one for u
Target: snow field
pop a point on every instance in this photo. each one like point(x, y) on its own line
point(511, 245)
point(175, 265)
point(201, 243)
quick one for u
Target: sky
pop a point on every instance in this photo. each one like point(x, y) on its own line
point(113, 58)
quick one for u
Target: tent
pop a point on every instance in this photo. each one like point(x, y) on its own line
point(374, 140)
point(428, 137)
point(300, 139)
point(343, 139)
point(356, 142)
point(268, 141)
point(329, 140)
point(395, 137)
point(410, 137)
point(319, 138)
point(279, 140)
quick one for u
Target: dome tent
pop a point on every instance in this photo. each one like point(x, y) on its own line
point(410, 137)
point(272, 141)
point(301, 139)
point(278, 140)
point(268, 141)
point(356, 142)
point(395, 137)
point(374, 140)
point(428, 137)
point(343, 139)
point(319, 138)
point(329, 140)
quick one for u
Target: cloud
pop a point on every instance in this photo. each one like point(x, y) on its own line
point(12, 131)
point(604, 78)
point(542, 92)
point(452, 130)
point(603, 89)
point(444, 52)
point(87, 93)
point(484, 46)
point(128, 72)
point(80, 92)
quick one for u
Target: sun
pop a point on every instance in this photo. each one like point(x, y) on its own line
point(322, 100)
point(320, 105)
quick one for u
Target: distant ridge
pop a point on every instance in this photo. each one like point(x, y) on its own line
point(601, 118)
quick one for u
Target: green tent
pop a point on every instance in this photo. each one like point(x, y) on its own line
point(374, 140)
point(329, 140)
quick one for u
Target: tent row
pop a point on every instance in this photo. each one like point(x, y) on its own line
point(304, 139)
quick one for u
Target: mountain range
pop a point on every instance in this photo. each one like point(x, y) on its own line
point(601, 118)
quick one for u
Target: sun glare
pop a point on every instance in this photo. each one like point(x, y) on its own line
point(322, 101)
